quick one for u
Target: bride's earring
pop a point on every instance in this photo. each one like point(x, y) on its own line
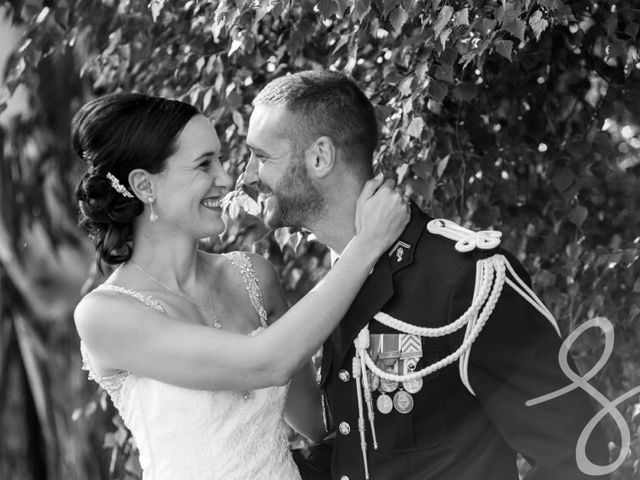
point(153, 217)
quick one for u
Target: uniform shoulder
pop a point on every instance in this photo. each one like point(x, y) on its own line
point(464, 240)
point(449, 248)
point(478, 244)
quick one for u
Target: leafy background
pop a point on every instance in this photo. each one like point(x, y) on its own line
point(523, 116)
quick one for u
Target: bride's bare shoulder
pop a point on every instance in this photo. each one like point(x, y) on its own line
point(97, 314)
point(230, 265)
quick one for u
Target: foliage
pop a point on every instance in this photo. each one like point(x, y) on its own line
point(521, 115)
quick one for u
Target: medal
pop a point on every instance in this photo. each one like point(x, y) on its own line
point(403, 402)
point(413, 386)
point(374, 381)
point(409, 365)
point(387, 386)
point(384, 404)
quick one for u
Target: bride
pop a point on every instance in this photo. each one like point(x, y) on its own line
point(185, 342)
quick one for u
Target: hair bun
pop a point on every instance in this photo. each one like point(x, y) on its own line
point(95, 186)
point(107, 217)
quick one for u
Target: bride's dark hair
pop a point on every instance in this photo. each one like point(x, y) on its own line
point(116, 134)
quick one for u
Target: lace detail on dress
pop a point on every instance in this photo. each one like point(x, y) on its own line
point(242, 261)
point(148, 300)
point(113, 384)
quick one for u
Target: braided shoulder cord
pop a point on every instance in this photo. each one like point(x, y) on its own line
point(495, 263)
point(472, 311)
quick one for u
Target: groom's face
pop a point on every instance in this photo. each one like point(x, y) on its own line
point(277, 169)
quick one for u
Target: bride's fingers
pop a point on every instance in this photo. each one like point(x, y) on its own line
point(403, 196)
point(387, 189)
point(382, 217)
point(389, 183)
point(380, 199)
point(370, 187)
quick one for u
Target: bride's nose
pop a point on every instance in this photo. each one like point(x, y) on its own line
point(221, 178)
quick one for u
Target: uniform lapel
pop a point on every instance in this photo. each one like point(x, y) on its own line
point(375, 292)
point(378, 288)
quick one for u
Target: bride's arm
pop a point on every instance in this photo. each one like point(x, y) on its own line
point(303, 408)
point(121, 333)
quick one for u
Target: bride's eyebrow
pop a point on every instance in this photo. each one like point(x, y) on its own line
point(204, 155)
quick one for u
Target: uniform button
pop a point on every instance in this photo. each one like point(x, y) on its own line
point(344, 375)
point(344, 477)
point(344, 428)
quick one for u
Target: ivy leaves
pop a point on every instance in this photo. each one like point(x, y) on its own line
point(538, 24)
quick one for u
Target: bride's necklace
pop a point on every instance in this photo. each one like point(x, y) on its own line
point(212, 315)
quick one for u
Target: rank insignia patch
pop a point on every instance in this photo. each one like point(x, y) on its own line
point(400, 254)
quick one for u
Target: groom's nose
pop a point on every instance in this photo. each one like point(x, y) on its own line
point(251, 179)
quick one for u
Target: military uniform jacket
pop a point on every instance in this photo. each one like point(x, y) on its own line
point(451, 434)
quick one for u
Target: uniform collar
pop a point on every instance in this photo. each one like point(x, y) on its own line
point(378, 288)
point(335, 256)
point(402, 251)
point(406, 241)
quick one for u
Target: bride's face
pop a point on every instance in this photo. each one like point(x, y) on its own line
point(190, 189)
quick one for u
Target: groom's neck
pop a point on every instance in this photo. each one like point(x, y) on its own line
point(336, 233)
point(336, 228)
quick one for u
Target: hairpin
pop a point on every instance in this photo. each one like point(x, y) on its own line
point(117, 186)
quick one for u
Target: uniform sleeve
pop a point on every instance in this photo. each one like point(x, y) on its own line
point(515, 359)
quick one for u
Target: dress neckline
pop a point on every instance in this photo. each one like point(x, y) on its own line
point(250, 280)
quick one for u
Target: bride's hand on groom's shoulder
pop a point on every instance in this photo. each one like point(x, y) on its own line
point(382, 212)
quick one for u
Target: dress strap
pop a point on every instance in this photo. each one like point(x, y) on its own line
point(148, 300)
point(110, 383)
point(242, 261)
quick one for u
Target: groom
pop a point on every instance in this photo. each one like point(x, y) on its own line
point(312, 136)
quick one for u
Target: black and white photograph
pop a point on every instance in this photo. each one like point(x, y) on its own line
point(319, 240)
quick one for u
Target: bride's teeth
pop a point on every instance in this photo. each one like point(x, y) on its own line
point(209, 203)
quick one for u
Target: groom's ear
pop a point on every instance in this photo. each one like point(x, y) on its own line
point(321, 157)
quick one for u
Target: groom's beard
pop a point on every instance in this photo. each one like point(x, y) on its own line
point(295, 202)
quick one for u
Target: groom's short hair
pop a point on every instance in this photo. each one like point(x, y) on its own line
point(326, 103)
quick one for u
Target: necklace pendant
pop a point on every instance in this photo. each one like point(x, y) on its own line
point(214, 319)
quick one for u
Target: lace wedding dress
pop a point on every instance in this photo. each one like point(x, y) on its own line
point(185, 434)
